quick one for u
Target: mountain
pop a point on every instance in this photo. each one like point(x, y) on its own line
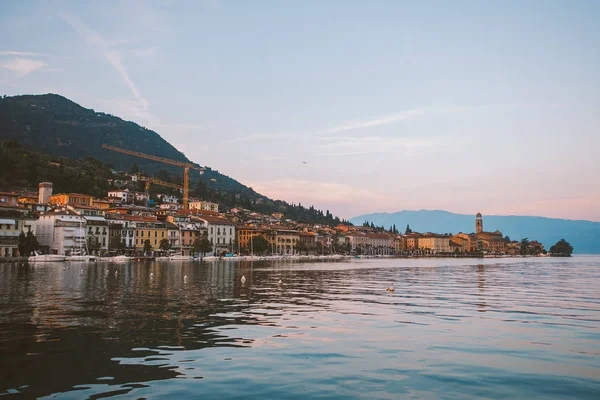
point(41, 130)
point(53, 124)
point(583, 235)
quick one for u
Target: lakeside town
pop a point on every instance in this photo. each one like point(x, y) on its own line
point(72, 224)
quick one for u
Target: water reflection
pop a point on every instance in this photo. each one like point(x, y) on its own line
point(84, 331)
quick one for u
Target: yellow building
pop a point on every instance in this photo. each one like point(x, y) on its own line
point(203, 205)
point(283, 241)
point(399, 244)
point(464, 242)
point(435, 243)
point(152, 230)
point(492, 242)
point(72, 199)
point(245, 233)
point(102, 204)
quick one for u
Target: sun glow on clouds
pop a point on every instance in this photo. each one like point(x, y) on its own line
point(342, 200)
point(23, 66)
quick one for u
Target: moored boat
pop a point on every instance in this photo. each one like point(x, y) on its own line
point(38, 257)
point(79, 258)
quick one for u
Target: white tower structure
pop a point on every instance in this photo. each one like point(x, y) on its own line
point(44, 193)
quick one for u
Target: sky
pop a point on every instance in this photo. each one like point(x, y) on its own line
point(353, 106)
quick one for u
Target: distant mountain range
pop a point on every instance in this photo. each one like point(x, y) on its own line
point(584, 236)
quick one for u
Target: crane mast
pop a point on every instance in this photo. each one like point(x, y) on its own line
point(186, 169)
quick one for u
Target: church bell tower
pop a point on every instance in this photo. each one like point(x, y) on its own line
point(478, 223)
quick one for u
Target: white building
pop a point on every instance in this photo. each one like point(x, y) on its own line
point(141, 196)
point(167, 198)
point(62, 231)
point(10, 229)
point(122, 196)
point(97, 228)
point(203, 205)
point(221, 233)
point(371, 243)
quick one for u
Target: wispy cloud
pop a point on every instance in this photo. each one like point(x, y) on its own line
point(258, 136)
point(346, 146)
point(384, 120)
point(111, 55)
point(22, 54)
point(360, 124)
point(23, 66)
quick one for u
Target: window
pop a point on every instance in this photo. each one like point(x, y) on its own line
point(155, 234)
point(16, 224)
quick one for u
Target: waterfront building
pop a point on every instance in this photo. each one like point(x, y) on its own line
point(435, 244)
point(308, 240)
point(283, 241)
point(412, 241)
point(399, 244)
point(371, 243)
point(247, 233)
point(173, 234)
point(221, 232)
point(61, 231)
point(10, 229)
point(492, 242)
point(148, 228)
point(97, 229)
point(463, 242)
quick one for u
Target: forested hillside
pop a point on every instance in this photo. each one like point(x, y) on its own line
point(50, 138)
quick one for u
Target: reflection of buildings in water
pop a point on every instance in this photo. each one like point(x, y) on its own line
point(481, 304)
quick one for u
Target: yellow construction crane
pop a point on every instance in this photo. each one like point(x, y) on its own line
point(155, 181)
point(186, 167)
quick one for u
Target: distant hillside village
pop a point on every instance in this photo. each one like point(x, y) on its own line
point(72, 223)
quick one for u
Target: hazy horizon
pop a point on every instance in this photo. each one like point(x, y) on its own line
point(464, 107)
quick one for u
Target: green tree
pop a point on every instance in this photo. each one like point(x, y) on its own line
point(301, 247)
point(93, 244)
point(259, 244)
point(115, 243)
point(196, 245)
point(204, 245)
point(524, 247)
point(562, 248)
point(147, 247)
point(408, 231)
point(165, 245)
point(31, 243)
point(23, 245)
point(134, 169)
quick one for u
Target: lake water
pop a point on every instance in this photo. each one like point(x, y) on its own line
point(453, 328)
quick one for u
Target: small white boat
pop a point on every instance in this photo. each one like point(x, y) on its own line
point(178, 257)
point(120, 258)
point(38, 257)
point(81, 258)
